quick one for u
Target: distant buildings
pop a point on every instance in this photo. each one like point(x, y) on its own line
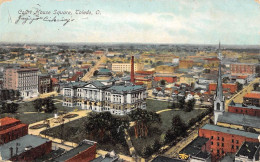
point(243, 68)
point(23, 79)
point(122, 67)
point(95, 96)
point(252, 98)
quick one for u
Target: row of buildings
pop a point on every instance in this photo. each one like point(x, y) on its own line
point(235, 131)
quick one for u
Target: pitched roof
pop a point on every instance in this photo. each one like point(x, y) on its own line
point(230, 131)
point(6, 121)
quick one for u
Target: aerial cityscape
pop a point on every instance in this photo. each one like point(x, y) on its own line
point(111, 81)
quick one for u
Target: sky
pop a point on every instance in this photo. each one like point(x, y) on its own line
point(234, 22)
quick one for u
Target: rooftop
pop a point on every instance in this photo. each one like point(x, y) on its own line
point(12, 128)
point(252, 95)
point(249, 149)
point(25, 141)
point(7, 121)
point(233, 104)
point(75, 151)
point(194, 148)
point(126, 88)
point(230, 131)
point(239, 119)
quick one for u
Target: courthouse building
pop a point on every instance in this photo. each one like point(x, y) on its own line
point(96, 96)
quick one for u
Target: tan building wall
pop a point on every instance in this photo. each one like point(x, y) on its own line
point(121, 67)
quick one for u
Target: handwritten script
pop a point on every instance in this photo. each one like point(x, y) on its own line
point(35, 14)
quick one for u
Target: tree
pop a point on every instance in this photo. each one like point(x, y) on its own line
point(9, 107)
point(190, 105)
point(95, 73)
point(143, 119)
point(239, 86)
point(104, 125)
point(162, 82)
point(178, 126)
point(45, 105)
point(147, 151)
point(181, 102)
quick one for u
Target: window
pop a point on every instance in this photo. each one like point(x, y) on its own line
point(218, 106)
point(237, 141)
point(211, 143)
point(218, 151)
point(237, 147)
point(217, 143)
point(232, 146)
point(222, 151)
point(222, 138)
point(232, 140)
point(218, 138)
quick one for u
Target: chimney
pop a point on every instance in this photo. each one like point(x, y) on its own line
point(132, 71)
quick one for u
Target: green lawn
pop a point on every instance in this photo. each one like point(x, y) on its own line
point(185, 116)
point(155, 105)
point(29, 118)
point(77, 133)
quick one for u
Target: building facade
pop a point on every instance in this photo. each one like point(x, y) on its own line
point(225, 140)
point(23, 79)
point(243, 68)
point(95, 96)
point(121, 67)
point(252, 98)
point(244, 109)
point(44, 85)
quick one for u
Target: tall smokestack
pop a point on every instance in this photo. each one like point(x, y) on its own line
point(132, 70)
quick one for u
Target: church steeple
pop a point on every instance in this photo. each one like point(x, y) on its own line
point(219, 90)
point(219, 100)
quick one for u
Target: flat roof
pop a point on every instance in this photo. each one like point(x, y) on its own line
point(248, 149)
point(23, 142)
point(239, 119)
point(75, 151)
point(194, 148)
point(240, 105)
point(230, 131)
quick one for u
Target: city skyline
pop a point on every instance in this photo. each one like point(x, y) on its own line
point(159, 22)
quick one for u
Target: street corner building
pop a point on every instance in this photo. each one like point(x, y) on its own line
point(23, 79)
point(98, 97)
point(17, 145)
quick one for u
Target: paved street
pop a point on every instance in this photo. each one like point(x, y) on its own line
point(238, 98)
point(94, 68)
point(174, 151)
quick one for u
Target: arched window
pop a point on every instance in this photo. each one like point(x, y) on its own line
point(218, 106)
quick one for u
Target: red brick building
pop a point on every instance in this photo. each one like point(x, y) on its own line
point(228, 87)
point(244, 109)
point(225, 140)
point(85, 151)
point(252, 99)
point(168, 79)
point(17, 145)
point(243, 68)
